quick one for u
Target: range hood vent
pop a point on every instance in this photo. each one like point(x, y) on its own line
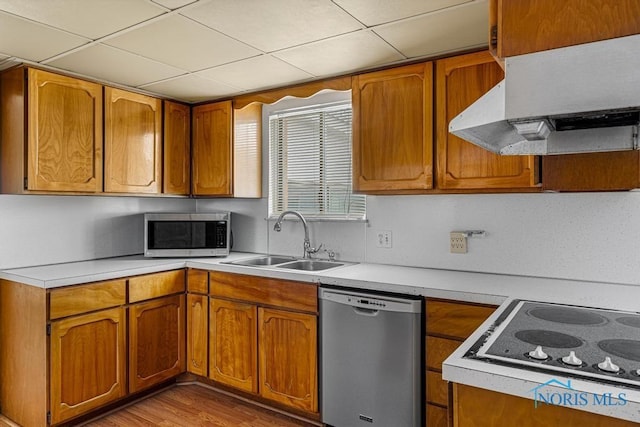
point(578, 99)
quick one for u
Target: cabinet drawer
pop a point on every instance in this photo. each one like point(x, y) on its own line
point(156, 285)
point(79, 299)
point(437, 389)
point(438, 349)
point(455, 320)
point(437, 416)
point(198, 281)
point(275, 292)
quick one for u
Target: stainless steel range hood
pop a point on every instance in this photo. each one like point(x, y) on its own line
point(578, 99)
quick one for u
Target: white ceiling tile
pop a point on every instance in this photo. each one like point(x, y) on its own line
point(447, 30)
point(374, 12)
point(337, 55)
point(271, 25)
point(173, 4)
point(115, 65)
point(191, 88)
point(89, 18)
point(255, 73)
point(32, 41)
point(183, 43)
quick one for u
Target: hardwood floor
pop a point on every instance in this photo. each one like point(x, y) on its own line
point(194, 405)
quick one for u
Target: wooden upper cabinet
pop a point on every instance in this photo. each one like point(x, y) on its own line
point(247, 151)
point(461, 80)
point(133, 142)
point(177, 149)
point(392, 129)
point(212, 126)
point(525, 26)
point(611, 171)
point(51, 133)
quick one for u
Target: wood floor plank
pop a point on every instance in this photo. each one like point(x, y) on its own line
point(194, 405)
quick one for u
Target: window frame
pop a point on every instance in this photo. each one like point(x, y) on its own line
point(292, 105)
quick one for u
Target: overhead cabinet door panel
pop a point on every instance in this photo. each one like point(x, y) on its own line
point(133, 142)
point(65, 133)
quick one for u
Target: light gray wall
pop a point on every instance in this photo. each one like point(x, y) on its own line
point(37, 230)
point(581, 236)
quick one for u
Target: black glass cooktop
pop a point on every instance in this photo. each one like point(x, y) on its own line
point(579, 341)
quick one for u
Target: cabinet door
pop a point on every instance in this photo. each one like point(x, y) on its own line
point(526, 26)
point(233, 344)
point(156, 341)
point(288, 358)
point(133, 142)
point(392, 129)
point(65, 134)
point(87, 362)
point(212, 149)
point(461, 80)
point(177, 147)
point(197, 334)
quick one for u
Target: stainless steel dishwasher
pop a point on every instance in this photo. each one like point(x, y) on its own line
point(371, 352)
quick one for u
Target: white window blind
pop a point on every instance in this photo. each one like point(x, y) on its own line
point(310, 163)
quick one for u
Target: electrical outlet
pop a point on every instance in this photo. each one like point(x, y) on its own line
point(457, 242)
point(383, 239)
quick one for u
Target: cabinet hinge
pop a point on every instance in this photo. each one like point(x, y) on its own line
point(26, 183)
point(48, 330)
point(49, 418)
point(493, 39)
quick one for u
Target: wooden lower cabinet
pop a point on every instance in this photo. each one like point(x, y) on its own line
point(233, 340)
point(88, 359)
point(476, 407)
point(263, 338)
point(449, 323)
point(288, 361)
point(156, 341)
point(197, 331)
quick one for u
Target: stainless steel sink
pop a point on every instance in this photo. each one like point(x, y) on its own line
point(268, 260)
point(310, 265)
point(291, 263)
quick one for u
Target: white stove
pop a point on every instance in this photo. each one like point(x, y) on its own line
point(587, 343)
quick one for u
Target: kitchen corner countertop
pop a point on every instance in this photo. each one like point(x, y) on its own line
point(619, 401)
point(447, 284)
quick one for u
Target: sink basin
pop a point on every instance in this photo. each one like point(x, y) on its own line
point(264, 260)
point(310, 265)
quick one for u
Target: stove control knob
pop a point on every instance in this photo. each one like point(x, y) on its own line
point(572, 359)
point(538, 353)
point(608, 366)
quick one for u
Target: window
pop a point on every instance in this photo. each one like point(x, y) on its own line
point(310, 162)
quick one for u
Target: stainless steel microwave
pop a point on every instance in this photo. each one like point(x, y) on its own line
point(187, 234)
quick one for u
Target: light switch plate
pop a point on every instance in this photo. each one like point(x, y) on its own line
point(383, 239)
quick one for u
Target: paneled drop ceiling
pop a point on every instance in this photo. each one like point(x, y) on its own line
point(208, 49)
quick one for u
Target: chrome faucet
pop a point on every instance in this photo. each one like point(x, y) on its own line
point(308, 250)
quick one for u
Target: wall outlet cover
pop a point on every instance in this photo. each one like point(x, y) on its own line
point(383, 239)
point(457, 242)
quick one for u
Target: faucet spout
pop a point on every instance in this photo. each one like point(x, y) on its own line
point(307, 243)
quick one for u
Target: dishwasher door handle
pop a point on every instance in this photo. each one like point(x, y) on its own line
point(365, 311)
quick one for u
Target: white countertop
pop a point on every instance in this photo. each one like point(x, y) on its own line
point(457, 285)
point(447, 284)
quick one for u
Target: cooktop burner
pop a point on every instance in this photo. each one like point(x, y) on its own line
point(634, 322)
point(576, 341)
point(567, 315)
point(629, 349)
point(548, 338)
